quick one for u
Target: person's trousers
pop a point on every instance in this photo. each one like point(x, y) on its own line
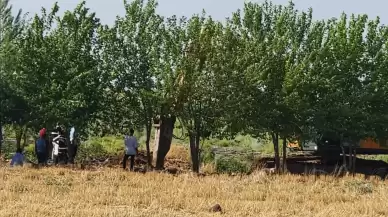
point(73, 148)
point(126, 156)
point(41, 157)
point(61, 158)
point(55, 159)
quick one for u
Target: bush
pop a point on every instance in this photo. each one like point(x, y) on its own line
point(29, 153)
point(7, 150)
point(241, 142)
point(233, 164)
point(96, 147)
point(233, 159)
point(110, 144)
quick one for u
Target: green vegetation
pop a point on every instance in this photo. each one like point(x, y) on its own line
point(376, 157)
point(233, 164)
point(272, 73)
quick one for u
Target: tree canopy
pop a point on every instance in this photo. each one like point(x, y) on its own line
point(269, 69)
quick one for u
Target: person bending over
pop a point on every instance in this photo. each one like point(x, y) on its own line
point(18, 158)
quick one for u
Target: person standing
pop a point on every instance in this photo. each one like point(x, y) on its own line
point(40, 147)
point(60, 149)
point(131, 149)
point(73, 146)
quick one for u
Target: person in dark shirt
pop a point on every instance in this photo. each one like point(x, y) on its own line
point(131, 149)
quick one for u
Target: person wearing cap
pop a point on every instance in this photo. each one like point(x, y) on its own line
point(40, 147)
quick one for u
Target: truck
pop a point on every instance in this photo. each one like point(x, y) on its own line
point(329, 148)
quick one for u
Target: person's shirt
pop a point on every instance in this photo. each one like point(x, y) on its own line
point(60, 141)
point(41, 145)
point(17, 159)
point(71, 136)
point(130, 145)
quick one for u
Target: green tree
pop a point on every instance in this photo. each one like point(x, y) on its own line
point(30, 74)
point(374, 81)
point(133, 51)
point(10, 29)
point(10, 25)
point(167, 77)
point(273, 35)
point(58, 73)
point(197, 96)
point(75, 78)
point(331, 84)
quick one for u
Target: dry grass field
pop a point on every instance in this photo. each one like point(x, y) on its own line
point(112, 192)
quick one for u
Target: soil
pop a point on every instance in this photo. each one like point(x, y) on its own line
point(296, 164)
point(173, 166)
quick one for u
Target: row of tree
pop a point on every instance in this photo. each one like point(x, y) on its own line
point(270, 69)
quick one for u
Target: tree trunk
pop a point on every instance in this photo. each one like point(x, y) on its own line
point(350, 156)
point(24, 137)
point(354, 161)
point(197, 143)
point(19, 136)
point(148, 138)
point(1, 136)
point(165, 138)
point(194, 151)
point(275, 140)
point(284, 165)
point(156, 142)
point(343, 157)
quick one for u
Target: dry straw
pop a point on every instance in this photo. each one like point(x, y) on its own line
point(112, 192)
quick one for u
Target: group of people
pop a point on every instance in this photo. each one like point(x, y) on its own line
point(55, 148)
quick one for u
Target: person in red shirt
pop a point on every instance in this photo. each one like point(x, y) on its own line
point(40, 147)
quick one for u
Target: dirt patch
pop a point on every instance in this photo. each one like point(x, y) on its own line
point(115, 161)
point(176, 164)
point(297, 164)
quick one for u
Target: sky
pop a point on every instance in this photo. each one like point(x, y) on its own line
point(107, 10)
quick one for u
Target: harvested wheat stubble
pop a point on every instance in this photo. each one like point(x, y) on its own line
point(112, 192)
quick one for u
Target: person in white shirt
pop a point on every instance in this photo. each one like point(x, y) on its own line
point(131, 150)
point(73, 146)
